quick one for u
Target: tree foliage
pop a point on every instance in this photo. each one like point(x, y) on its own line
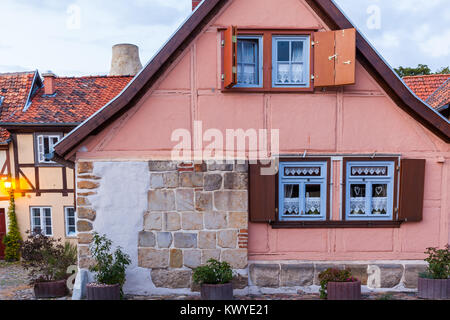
point(12, 239)
point(420, 70)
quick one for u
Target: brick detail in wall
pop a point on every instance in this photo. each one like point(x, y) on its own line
point(87, 183)
point(196, 211)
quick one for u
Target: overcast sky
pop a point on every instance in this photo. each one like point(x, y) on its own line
point(74, 37)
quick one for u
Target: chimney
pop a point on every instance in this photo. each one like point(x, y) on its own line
point(125, 60)
point(195, 3)
point(49, 82)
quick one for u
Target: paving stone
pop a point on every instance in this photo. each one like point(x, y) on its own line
point(293, 275)
point(185, 199)
point(185, 240)
point(164, 239)
point(161, 200)
point(265, 275)
point(212, 182)
point(147, 239)
point(173, 279)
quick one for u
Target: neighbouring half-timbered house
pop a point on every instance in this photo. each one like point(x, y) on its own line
point(360, 170)
point(41, 113)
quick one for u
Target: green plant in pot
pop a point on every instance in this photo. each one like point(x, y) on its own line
point(434, 283)
point(109, 268)
point(47, 260)
point(215, 280)
point(336, 284)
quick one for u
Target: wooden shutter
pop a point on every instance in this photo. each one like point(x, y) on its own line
point(230, 57)
point(334, 58)
point(412, 181)
point(262, 195)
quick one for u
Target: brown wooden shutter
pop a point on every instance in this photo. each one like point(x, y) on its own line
point(262, 195)
point(412, 182)
point(230, 57)
point(334, 58)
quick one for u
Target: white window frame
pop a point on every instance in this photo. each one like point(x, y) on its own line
point(66, 219)
point(260, 62)
point(306, 60)
point(368, 181)
point(302, 182)
point(40, 146)
point(43, 225)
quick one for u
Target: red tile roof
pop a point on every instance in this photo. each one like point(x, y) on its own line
point(15, 90)
point(75, 99)
point(424, 86)
point(441, 96)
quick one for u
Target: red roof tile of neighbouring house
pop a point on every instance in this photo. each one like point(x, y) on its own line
point(74, 100)
point(441, 96)
point(425, 86)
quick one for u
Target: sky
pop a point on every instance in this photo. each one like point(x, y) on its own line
point(74, 37)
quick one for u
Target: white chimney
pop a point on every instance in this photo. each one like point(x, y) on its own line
point(125, 60)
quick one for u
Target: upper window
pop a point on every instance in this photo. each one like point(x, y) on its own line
point(290, 61)
point(302, 191)
point(45, 144)
point(71, 227)
point(369, 190)
point(249, 61)
point(41, 220)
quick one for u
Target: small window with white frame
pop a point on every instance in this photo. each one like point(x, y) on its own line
point(369, 190)
point(71, 223)
point(249, 62)
point(41, 220)
point(290, 59)
point(45, 144)
point(302, 191)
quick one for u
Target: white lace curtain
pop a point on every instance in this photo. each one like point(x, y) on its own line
point(247, 62)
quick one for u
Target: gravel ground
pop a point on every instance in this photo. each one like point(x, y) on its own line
point(14, 286)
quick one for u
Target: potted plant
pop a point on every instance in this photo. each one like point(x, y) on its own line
point(109, 270)
point(215, 280)
point(338, 284)
point(434, 283)
point(46, 260)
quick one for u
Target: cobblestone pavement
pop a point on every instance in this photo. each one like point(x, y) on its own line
point(14, 286)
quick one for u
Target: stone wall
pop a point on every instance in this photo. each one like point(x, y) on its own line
point(196, 212)
point(267, 276)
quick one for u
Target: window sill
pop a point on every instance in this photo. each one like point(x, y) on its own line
point(335, 224)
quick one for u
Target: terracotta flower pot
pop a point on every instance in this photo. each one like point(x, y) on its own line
point(217, 291)
point(53, 289)
point(434, 288)
point(344, 290)
point(97, 291)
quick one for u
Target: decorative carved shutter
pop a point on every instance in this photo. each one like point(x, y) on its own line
point(230, 57)
point(262, 195)
point(412, 181)
point(334, 58)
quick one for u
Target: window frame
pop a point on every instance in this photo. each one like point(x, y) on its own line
point(41, 216)
point(291, 38)
point(393, 175)
point(260, 59)
point(66, 222)
point(325, 175)
point(37, 150)
point(267, 36)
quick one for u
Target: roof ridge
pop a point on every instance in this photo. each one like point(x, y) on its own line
point(18, 72)
point(94, 76)
point(429, 75)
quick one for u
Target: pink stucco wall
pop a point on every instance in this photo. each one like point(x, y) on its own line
point(358, 119)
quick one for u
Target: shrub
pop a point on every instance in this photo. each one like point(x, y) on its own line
point(214, 272)
point(12, 240)
point(333, 275)
point(47, 259)
point(438, 263)
point(110, 267)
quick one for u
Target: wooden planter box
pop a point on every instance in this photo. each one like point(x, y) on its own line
point(344, 290)
point(54, 289)
point(434, 288)
point(95, 291)
point(217, 291)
